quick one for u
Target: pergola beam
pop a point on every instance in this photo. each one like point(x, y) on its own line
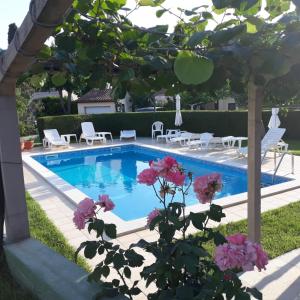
point(29, 39)
point(37, 26)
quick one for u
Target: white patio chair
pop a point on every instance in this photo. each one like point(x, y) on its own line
point(52, 138)
point(182, 139)
point(90, 135)
point(157, 127)
point(271, 141)
point(127, 134)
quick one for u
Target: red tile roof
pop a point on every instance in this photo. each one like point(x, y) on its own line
point(96, 95)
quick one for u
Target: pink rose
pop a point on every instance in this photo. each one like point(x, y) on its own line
point(206, 186)
point(152, 215)
point(240, 253)
point(176, 177)
point(237, 239)
point(79, 220)
point(105, 203)
point(85, 210)
point(148, 176)
point(261, 257)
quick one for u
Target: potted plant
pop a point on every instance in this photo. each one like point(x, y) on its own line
point(28, 144)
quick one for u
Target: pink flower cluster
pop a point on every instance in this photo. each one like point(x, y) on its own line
point(206, 186)
point(167, 168)
point(152, 215)
point(86, 209)
point(240, 253)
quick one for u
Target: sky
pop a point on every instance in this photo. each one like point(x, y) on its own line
point(14, 11)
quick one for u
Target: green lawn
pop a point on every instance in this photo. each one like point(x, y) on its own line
point(294, 146)
point(42, 229)
point(280, 230)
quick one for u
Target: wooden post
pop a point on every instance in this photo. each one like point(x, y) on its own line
point(255, 97)
point(16, 218)
point(42, 18)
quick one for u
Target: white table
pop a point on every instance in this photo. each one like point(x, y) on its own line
point(68, 137)
point(104, 133)
point(239, 139)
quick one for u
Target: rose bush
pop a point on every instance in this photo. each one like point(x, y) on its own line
point(183, 268)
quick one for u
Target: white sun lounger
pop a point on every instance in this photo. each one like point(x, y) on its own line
point(271, 141)
point(203, 142)
point(90, 135)
point(182, 139)
point(52, 138)
point(127, 134)
point(170, 134)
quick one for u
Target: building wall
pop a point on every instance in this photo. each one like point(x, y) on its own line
point(109, 107)
point(223, 103)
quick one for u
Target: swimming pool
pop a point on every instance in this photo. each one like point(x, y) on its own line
point(113, 171)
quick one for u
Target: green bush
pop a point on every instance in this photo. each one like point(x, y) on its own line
point(219, 123)
point(51, 106)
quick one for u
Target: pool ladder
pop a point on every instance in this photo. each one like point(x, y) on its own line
point(280, 161)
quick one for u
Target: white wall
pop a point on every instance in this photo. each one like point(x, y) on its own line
point(223, 103)
point(109, 107)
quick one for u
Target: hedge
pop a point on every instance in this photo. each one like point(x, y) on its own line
point(219, 123)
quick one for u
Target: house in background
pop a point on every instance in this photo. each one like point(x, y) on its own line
point(96, 101)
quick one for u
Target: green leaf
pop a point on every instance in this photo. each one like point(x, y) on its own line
point(59, 79)
point(219, 239)
point(215, 213)
point(184, 293)
point(105, 271)
point(197, 219)
point(45, 52)
point(118, 261)
point(147, 3)
point(110, 230)
point(193, 69)
point(224, 36)
point(197, 38)
point(160, 12)
point(127, 272)
point(277, 7)
point(251, 28)
point(90, 249)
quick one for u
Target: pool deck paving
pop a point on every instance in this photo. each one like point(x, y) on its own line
point(281, 280)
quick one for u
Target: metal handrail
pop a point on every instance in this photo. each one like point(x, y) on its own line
point(280, 161)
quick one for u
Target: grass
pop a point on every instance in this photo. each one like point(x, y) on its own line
point(280, 230)
point(294, 146)
point(42, 229)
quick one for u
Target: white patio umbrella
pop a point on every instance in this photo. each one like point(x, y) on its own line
point(178, 117)
point(274, 121)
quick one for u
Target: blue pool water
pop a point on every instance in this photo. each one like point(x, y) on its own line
point(114, 170)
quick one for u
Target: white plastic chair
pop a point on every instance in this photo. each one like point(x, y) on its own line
point(90, 135)
point(52, 138)
point(127, 134)
point(157, 127)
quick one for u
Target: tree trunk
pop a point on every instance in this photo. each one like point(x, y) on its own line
point(255, 98)
point(61, 98)
point(69, 102)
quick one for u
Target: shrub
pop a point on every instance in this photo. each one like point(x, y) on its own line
point(219, 123)
point(182, 267)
